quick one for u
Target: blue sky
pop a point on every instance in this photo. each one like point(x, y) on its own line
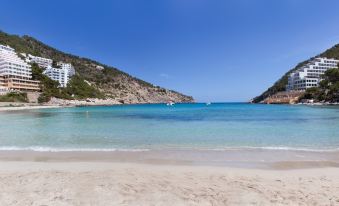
point(214, 50)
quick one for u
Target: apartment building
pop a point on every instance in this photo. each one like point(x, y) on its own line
point(3, 88)
point(310, 74)
point(15, 73)
point(42, 62)
point(68, 66)
point(58, 74)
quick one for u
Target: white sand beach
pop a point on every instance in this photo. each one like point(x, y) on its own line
point(112, 183)
point(17, 108)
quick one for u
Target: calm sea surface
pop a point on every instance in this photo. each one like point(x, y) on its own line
point(182, 126)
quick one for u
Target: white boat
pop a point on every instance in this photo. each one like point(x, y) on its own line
point(208, 103)
point(170, 104)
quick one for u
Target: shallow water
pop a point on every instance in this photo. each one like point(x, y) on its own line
point(182, 126)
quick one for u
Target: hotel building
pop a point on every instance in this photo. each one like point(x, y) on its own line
point(68, 66)
point(3, 88)
point(310, 74)
point(15, 73)
point(42, 62)
point(58, 74)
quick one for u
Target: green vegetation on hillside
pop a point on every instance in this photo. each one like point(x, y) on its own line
point(14, 97)
point(281, 83)
point(328, 89)
point(80, 89)
point(76, 88)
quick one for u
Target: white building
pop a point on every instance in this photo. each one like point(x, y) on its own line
point(310, 75)
point(57, 74)
point(68, 66)
point(42, 62)
point(3, 86)
point(15, 73)
point(12, 65)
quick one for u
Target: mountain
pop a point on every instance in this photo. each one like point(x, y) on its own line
point(112, 82)
point(281, 83)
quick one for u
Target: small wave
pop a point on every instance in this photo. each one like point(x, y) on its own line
point(275, 148)
point(51, 149)
point(224, 149)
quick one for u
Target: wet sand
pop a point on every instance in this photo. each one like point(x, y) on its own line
point(241, 158)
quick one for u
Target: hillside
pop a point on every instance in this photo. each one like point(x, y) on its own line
point(112, 82)
point(281, 83)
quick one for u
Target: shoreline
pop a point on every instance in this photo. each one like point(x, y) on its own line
point(30, 107)
point(302, 103)
point(251, 159)
point(15, 106)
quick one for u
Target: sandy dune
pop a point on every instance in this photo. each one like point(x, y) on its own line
point(95, 183)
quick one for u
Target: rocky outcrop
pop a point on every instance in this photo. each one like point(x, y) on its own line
point(33, 97)
point(86, 102)
point(284, 98)
point(129, 91)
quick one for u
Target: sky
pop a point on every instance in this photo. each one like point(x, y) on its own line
point(213, 50)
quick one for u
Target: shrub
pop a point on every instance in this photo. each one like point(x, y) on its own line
point(14, 97)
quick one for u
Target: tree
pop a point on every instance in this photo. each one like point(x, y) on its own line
point(328, 88)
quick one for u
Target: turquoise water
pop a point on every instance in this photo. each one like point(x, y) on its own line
point(182, 126)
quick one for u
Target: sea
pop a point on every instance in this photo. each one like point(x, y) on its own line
point(199, 126)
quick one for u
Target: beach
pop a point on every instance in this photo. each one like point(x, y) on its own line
point(185, 154)
point(121, 178)
point(169, 103)
point(18, 108)
point(117, 183)
point(56, 103)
